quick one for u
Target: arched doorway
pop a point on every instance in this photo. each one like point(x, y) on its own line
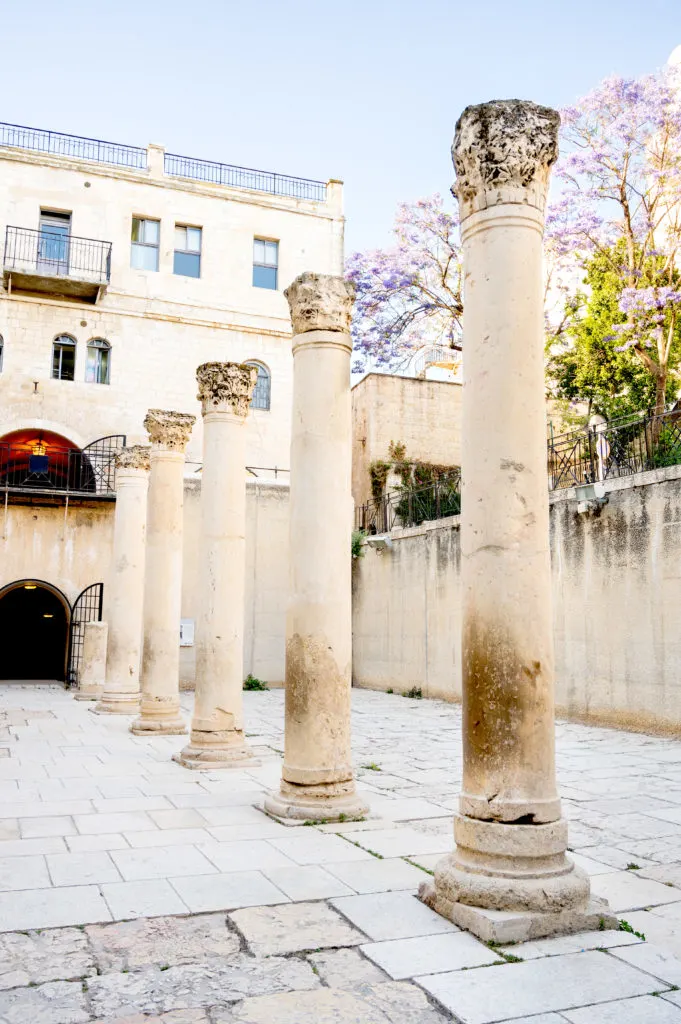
point(34, 631)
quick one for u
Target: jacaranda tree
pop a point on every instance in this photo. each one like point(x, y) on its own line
point(409, 295)
point(619, 210)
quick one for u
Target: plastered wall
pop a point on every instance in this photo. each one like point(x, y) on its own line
point(617, 607)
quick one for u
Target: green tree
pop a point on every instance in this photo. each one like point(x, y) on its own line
point(588, 363)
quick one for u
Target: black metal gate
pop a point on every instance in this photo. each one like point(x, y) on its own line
point(86, 608)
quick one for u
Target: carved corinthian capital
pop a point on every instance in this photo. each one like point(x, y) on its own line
point(169, 430)
point(320, 302)
point(136, 456)
point(226, 384)
point(503, 152)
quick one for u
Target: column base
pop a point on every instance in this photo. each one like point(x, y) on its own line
point(198, 756)
point(159, 716)
point(88, 694)
point(505, 926)
point(335, 801)
point(118, 704)
point(510, 883)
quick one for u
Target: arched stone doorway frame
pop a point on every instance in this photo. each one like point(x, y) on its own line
point(56, 592)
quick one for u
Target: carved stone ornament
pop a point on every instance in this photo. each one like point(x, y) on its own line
point(226, 383)
point(503, 151)
point(168, 429)
point(134, 457)
point(320, 302)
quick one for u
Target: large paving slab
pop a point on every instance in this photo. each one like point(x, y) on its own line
point(289, 929)
point(135, 892)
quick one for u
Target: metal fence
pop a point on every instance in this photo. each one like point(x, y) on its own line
point(43, 252)
point(34, 468)
point(632, 444)
point(244, 177)
point(629, 445)
point(411, 506)
point(20, 137)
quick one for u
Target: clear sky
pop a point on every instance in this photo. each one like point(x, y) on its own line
point(364, 90)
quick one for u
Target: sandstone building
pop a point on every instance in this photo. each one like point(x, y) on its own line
point(123, 269)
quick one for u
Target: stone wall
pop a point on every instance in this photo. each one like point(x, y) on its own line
point(160, 325)
point(424, 414)
point(74, 550)
point(617, 607)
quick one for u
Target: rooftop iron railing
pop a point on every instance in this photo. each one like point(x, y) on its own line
point(18, 136)
point(82, 148)
point(244, 178)
point(629, 445)
point(52, 254)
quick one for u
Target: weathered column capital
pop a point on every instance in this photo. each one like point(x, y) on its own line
point(226, 387)
point(503, 152)
point(136, 456)
point(320, 302)
point(169, 430)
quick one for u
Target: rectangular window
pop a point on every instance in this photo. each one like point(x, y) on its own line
point(145, 241)
point(187, 258)
point(265, 263)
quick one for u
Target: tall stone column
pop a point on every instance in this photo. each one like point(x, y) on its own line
point(91, 676)
point(217, 731)
point(125, 597)
point(317, 780)
point(160, 705)
point(510, 836)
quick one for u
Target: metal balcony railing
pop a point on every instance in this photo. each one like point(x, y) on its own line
point(244, 177)
point(90, 472)
point(20, 137)
point(44, 253)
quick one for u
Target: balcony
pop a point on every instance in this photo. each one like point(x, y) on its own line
point(42, 468)
point(56, 264)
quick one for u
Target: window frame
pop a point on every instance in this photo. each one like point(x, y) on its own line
point(154, 246)
point(187, 252)
point(98, 345)
point(259, 265)
point(62, 342)
point(266, 372)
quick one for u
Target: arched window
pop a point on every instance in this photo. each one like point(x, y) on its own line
point(64, 357)
point(2, 351)
point(98, 366)
point(261, 392)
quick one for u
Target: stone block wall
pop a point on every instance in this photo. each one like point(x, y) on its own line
point(617, 607)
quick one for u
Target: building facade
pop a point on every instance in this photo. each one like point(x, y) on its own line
point(123, 270)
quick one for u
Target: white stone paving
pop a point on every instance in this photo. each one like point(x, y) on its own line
point(98, 826)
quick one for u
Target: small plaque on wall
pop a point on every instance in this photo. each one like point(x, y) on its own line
point(186, 632)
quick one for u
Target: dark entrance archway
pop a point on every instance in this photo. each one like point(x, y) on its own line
point(34, 631)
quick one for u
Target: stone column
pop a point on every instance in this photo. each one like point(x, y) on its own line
point(317, 780)
point(160, 706)
point(125, 597)
point(91, 675)
point(510, 836)
point(217, 736)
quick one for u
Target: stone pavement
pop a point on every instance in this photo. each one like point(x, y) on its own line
point(133, 890)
